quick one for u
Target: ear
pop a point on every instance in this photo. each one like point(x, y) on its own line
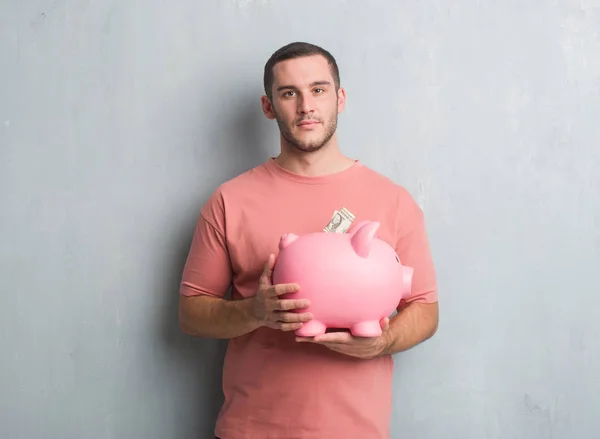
point(341, 99)
point(267, 107)
point(286, 240)
point(363, 238)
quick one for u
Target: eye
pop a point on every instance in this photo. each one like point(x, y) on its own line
point(397, 259)
point(288, 93)
point(319, 90)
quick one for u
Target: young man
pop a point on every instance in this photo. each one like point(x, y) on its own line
point(277, 385)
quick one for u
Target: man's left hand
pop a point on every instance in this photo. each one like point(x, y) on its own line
point(348, 344)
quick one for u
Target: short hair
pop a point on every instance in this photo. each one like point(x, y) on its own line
point(296, 50)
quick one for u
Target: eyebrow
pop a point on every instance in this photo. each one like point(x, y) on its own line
point(312, 84)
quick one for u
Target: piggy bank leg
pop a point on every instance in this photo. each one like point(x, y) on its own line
point(311, 328)
point(367, 329)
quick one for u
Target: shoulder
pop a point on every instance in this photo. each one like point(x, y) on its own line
point(388, 186)
point(244, 182)
point(232, 191)
point(250, 176)
point(406, 210)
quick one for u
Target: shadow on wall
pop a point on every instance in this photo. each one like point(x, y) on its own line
point(230, 137)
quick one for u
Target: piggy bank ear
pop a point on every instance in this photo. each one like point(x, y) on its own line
point(363, 237)
point(286, 240)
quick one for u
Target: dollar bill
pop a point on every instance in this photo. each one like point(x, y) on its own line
point(340, 222)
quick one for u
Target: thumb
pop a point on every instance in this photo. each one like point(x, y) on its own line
point(265, 278)
point(385, 323)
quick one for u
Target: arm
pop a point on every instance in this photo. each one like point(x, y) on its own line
point(203, 310)
point(207, 276)
point(412, 325)
point(418, 314)
point(213, 317)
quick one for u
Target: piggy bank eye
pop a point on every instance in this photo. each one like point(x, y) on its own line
point(397, 259)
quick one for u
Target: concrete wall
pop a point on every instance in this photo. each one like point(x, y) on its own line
point(117, 119)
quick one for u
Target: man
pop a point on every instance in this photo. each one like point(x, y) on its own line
point(277, 385)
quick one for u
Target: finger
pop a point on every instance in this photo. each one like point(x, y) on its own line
point(281, 289)
point(287, 305)
point(289, 326)
point(335, 337)
point(304, 339)
point(337, 347)
point(265, 277)
point(292, 317)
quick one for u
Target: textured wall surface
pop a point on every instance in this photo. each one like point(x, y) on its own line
point(118, 118)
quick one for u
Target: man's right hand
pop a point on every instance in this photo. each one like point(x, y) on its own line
point(272, 311)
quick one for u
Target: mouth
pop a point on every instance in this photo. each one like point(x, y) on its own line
point(308, 123)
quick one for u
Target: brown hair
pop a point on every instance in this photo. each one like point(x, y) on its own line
point(295, 50)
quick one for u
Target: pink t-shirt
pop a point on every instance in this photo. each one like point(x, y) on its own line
point(274, 387)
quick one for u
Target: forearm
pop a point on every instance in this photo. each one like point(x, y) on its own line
point(410, 326)
point(212, 317)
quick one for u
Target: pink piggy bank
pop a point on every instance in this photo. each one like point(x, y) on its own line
point(352, 280)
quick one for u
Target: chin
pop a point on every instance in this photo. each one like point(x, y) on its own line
point(310, 147)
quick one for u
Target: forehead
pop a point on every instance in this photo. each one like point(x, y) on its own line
point(302, 71)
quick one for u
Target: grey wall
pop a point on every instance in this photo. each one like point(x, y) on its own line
point(117, 120)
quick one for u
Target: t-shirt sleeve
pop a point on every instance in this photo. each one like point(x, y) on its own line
point(207, 270)
point(413, 249)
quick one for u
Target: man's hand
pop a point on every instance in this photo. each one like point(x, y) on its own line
point(359, 347)
point(413, 324)
point(270, 310)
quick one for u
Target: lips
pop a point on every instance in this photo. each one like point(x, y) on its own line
point(308, 122)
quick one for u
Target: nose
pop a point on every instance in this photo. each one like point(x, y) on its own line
point(306, 104)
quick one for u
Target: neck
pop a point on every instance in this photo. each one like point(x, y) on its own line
point(327, 160)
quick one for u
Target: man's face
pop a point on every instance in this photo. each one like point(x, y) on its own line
point(305, 102)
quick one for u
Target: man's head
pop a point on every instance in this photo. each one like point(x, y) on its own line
point(303, 93)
